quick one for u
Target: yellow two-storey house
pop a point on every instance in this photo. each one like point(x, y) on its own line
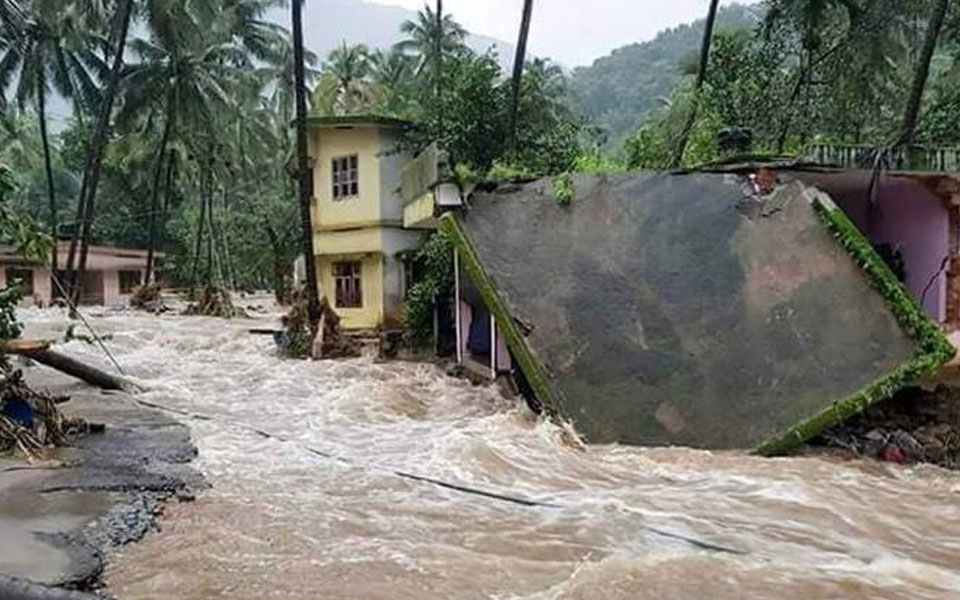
point(358, 217)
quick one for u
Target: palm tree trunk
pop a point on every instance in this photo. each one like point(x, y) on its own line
point(95, 160)
point(438, 70)
point(279, 289)
point(438, 65)
point(200, 230)
point(518, 64)
point(701, 77)
point(47, 163)
point(211, 239)
point(912, 113)
point(225, 271)
point(304, 172)
point(155, 192)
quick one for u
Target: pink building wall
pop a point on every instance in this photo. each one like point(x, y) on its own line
point(100, 287)
point(101, 284)
point(42, 287)
point(111, 288)
point(906, 214)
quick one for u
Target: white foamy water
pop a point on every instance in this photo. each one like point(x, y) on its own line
point(282, 522)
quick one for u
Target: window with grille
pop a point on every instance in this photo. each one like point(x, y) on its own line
point(346, 178)
point(347, 278)
point(129, 280)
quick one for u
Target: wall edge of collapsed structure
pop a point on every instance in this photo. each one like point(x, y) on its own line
point(532, 370)
point(933, 348)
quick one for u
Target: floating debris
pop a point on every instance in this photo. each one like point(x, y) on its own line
point(29, 420)
point(324, 339)
point(148, 297)
point(215, 301)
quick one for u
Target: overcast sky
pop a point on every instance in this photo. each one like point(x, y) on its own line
point(574, 32)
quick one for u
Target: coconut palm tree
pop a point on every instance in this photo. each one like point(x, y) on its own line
point(20, 147)
point(393, 82)
point(431, 39)
point(86, 207)
point(179, 78)
point(304, 172)
point(12, 22)
point(265, 40)
point(343, 86)
point(50, 50)
point(279, 77)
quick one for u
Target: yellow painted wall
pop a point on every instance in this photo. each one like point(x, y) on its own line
point(329, 143)
point(365, 228)
point(351, 241)
point(370, 316)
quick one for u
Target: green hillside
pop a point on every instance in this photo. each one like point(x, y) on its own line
point(617, 91)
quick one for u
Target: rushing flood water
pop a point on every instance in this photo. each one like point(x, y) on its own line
point(281, 521)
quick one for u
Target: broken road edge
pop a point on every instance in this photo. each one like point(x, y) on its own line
point(933, 350)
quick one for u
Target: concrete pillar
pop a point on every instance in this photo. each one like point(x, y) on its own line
point(42, 287)
point(111, 287)
point(504, 363)
point(456, 300)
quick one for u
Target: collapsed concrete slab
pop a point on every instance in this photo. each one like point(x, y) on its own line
point(688, 309)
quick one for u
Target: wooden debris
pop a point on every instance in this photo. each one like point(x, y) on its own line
point(40, 351)
point(215, 301)
point(24, 346)
point(324, 339)
point(331, 342)
point(39, 423)
point(148, 297)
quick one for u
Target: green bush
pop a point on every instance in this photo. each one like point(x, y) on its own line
point(563, 189)
point(23, 233)
point(433, 263)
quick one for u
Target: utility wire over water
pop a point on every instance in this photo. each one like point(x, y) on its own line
point(283, 522)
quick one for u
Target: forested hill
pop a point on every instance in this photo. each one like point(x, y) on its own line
point(328, 23)
point(618, 90)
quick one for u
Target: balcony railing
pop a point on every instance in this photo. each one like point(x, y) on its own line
point(911, 158)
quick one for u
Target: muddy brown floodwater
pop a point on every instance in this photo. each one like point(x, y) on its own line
point(283, 522)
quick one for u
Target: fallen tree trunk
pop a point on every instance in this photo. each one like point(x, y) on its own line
point(41, 352)
point(18, 589)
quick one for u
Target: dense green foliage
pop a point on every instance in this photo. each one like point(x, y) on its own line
point(199, 136)
point(465, 105)
point(817, 71)
point(17, 229)
point(619, 91)
point(433, 264)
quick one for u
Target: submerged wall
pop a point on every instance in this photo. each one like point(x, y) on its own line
point(683, 309)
